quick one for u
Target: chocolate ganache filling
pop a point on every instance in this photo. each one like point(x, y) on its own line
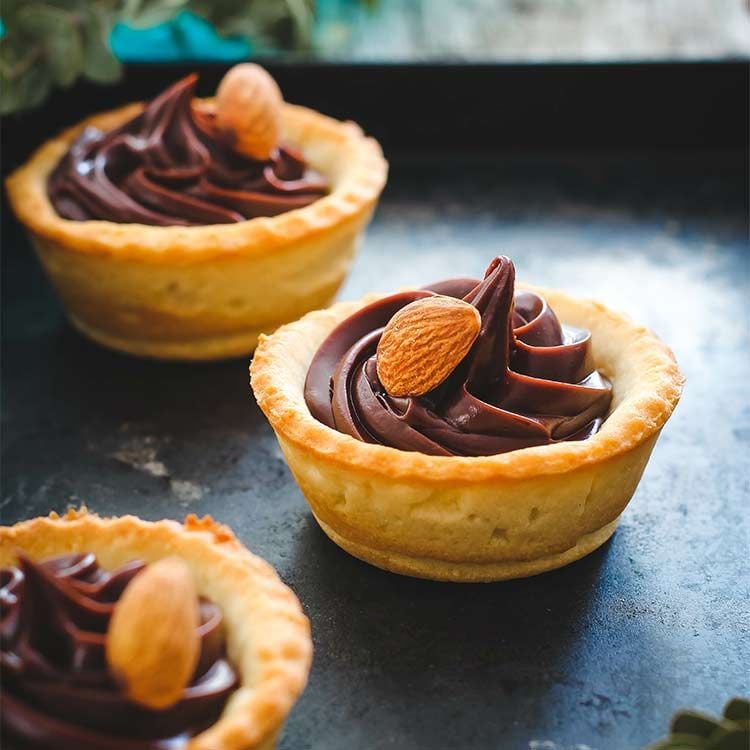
point(526, 381)
point(57, 691)
point(171, 166)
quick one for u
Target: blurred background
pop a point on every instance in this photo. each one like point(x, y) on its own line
point(51, 43)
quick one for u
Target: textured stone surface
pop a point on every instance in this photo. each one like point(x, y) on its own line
point(597, 655)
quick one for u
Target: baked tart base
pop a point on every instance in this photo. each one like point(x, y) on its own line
point(267, 635)
point(481, 518)
point(206, 292)
point(439, 570)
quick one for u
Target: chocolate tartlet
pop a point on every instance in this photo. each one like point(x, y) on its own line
point(495, 433)
point(146, 636)
point(184, 228)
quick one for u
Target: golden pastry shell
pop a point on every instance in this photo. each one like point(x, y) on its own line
point(204, 292)
point(473, 518)
point(267, 634)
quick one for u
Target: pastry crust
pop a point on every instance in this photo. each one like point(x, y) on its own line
point(473, 518)
point(267, 635)
point(204, 292)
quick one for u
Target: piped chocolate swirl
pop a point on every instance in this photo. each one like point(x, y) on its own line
point(172, 166)
point(527, 380)
point(57, 690)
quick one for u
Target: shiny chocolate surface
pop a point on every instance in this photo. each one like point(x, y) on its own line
point(527, 380)
point(57, 690)
point(170, 166)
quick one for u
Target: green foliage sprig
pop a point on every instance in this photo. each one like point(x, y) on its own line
point(691, 730)
point(49, 43)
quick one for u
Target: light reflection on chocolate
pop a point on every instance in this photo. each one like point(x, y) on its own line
point(57, 691)
point(170, 166)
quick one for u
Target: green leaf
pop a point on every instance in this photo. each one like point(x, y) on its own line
point(265, 22)
point(25, 91)
point(695, 723)
point(733, 738)
point(99, 63)
point(738, 709)
point(11, 96)
point(65, 57)
point(9, 9)
point(52, 42)
point(59, 31)
point(302, 14)
point(146, 13)
point(684, 742)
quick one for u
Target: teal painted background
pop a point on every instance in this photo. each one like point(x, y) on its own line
point(186, 37)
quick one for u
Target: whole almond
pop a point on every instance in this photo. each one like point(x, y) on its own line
point(424, 342)
point(152, 642)
point(248, 107)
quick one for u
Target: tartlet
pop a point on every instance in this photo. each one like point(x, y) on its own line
point(480, 517)
point(204, 292)
point(267, 636)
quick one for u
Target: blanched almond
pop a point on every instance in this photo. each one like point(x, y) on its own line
point(424, 342)
point(152, 641)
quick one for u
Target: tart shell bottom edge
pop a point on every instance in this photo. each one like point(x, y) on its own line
point(151, 310)
point(536, 524)
point(225, 347)
point(469, 572)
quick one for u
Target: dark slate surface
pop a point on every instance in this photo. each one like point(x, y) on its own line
point(597, 655)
